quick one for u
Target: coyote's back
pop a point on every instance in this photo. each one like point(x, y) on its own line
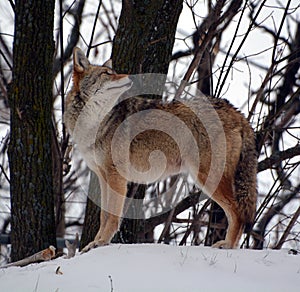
point(143, 140)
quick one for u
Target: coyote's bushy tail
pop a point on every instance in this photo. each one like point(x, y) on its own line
point(245, 179)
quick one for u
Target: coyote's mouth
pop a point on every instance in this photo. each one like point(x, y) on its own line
point(128, 84)
point(125, 86)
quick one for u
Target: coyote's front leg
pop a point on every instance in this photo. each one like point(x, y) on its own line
point(113, 193)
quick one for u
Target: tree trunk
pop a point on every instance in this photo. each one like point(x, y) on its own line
point(143, 44)
point(31, 184)
point(91, 222)
point(145, 36)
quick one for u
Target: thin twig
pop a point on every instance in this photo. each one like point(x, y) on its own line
point(288, 229)
point(93, 30)
point(211, 24)
point(219, 88)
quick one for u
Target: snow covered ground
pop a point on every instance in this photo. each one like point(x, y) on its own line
point(143, 267)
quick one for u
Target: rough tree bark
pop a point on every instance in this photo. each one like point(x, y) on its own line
point(31, 186)
point(143, 44)
point(91, 222)
point(145, 36)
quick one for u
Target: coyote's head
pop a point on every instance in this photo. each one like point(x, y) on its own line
point(91, 80)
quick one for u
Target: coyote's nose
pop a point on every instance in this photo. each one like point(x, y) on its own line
point(121, 81)
point(120, 76)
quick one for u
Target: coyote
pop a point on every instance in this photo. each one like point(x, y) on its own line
point(123, 140)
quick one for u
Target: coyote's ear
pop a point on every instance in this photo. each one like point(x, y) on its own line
point(108, 64)
point(80, 61)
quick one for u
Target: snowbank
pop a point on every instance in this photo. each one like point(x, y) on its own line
point(128, 268)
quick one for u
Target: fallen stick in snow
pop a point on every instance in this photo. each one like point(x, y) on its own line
point(44, 255)
point(71, 247)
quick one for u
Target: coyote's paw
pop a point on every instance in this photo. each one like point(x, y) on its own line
point(223, 244)
point(93, 244)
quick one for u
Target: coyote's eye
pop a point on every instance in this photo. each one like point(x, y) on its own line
point(106, 73)
point(109, 72)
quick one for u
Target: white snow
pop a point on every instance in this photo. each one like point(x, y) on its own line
point(145, 267)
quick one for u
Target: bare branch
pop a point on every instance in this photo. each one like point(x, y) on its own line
point(44, 255)
point(220, 84)
point(209, 26)
point(259, 232)
point(277, 157)
point(94, 27)
point(288, 229)
point(74, 37)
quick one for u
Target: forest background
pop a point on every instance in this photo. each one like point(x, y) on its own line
point(245, 51)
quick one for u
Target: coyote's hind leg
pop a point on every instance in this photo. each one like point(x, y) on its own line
point(225, 197)
point(234, 231)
